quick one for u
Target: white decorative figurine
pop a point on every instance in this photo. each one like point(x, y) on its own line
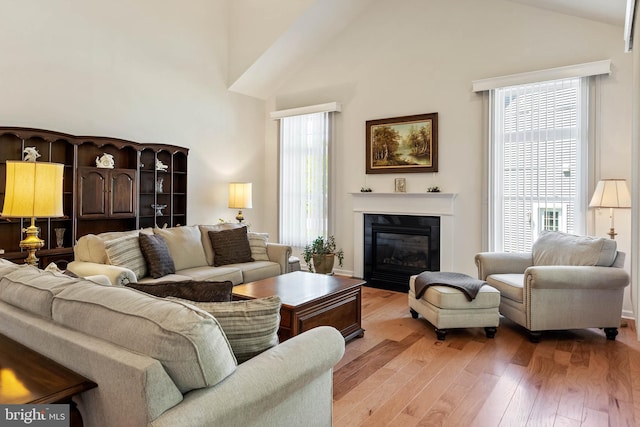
point(105, 161)
point(161, 166)
point(30, 154)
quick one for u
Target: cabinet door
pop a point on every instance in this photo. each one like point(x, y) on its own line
point(122, 193)
point(92, 190)
point(107, 193)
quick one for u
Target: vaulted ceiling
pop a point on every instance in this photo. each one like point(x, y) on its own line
point(321, 20)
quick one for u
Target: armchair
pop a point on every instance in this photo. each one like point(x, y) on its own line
point(566, 282)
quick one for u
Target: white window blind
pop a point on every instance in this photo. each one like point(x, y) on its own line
point(539, 146)
point(304, 178)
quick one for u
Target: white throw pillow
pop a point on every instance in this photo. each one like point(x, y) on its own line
point(185, 246)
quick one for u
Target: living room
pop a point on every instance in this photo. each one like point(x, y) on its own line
point(160, 72)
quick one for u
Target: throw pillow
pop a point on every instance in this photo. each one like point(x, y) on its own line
point(156, 253)
point(230, 246)
point(125, 252)
point(185, 246)
point(258, 244)
point(190, 290)
point(250, 326)
point(206, 240)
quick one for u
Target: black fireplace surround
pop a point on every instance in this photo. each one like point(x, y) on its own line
point(399, 246)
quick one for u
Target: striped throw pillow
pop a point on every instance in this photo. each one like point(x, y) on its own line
point(125, 252)
point(258, 244)
point(251, 326)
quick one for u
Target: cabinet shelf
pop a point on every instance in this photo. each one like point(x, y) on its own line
point(94, 206)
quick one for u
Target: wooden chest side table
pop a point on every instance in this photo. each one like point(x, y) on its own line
point(310, 300)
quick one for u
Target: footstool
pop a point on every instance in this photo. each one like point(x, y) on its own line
point(447, 308)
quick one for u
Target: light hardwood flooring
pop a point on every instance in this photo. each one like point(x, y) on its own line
point(399, 374)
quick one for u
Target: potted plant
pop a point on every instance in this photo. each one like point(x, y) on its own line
point(323, 253)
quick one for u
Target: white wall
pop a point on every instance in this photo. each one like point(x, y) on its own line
point(145, 70)
point(420, 56)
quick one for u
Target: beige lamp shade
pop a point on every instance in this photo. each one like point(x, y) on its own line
point(33, 190)
point(611, 193)
point(240, 195)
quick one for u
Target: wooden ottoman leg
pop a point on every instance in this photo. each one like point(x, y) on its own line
point(611, 333)
point(490, 332)
point(441, 333)
point(414, 313)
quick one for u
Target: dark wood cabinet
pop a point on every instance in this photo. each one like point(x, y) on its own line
point(107, 193)
point(147, 187)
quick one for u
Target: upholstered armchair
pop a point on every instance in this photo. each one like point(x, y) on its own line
point(566, 282)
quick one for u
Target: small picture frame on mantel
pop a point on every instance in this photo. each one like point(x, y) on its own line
point(401, 185)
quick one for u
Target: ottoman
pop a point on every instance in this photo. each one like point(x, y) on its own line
point(447, 308)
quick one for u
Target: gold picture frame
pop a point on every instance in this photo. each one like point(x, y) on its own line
point(405, 144)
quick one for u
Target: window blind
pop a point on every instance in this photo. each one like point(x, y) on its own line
point(539, 134)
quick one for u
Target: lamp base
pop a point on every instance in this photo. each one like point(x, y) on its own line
point(31, 243)
point(612, 233)
point(239, 217)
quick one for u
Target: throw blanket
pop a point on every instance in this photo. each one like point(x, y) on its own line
point(467, 284)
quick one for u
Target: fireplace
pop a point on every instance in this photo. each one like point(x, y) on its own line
point(399, 246)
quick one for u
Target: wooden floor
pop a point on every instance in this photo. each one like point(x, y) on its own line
point(399, 374)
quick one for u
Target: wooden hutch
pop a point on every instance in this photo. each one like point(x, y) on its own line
point(136, 193)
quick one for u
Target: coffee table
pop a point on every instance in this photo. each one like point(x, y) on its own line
point(310, 300)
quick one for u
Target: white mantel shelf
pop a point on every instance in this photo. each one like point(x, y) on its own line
point(424, 204)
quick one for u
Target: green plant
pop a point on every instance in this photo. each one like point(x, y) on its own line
point(322, 246)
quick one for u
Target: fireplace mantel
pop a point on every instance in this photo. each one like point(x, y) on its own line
point(424, 204)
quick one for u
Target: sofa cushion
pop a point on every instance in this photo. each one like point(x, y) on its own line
point(258, 244)
point(191, 290)
point(32, 289)
point(125, 252)
point(257, 270)
point(218, 274)
point(185, 246)
point(230, 246)
point(556, 248)
point(206, 240)
point(156, 254)
point(250, 326)
point(188, 343)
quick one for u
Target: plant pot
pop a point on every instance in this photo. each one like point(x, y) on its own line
point(323, 264)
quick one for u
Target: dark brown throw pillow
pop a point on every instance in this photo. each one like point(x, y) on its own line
point(190, 290)
point(230, 246)
point(156, 254)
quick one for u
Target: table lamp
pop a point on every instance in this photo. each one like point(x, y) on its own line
point(240, 197)
point(33, 190)
point(611, 193)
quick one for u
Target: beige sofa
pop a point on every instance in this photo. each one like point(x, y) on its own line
point(163, 363)
point(191, 251)
point(566, 282)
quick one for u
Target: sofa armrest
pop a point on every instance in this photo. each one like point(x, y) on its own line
point(289, 384)
point(489, 263)
point(575, 277)
point(279, 253)
point(117, 275)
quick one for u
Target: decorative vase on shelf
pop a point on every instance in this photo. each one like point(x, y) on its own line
point(59, 237)
point(159, 183)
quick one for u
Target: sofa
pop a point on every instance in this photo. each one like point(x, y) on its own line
point(159, 362)
point(219, 252)
point(566, 282)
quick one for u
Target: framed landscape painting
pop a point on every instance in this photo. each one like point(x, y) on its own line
point(403, 144)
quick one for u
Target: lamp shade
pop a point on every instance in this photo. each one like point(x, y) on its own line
point(611, 193)
point(33, 189)
point(240, 195)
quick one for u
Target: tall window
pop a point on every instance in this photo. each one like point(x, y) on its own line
point(539, 150)
point(304, 178)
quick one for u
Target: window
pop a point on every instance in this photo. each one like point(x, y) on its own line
point(304, 177)
point(539, 149)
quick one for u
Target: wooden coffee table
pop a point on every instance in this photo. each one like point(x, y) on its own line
point(310, 300)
